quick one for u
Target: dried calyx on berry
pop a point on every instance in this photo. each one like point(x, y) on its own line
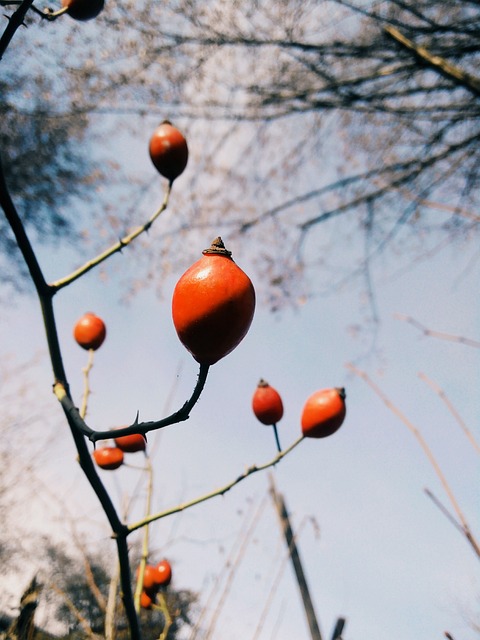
point(218, 248)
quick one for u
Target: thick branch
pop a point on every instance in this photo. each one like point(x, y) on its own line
point(14, 22)
point(45, 295)
point(21, 237)
point(120, 531)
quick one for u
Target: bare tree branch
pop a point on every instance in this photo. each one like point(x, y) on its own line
point(427, 451)
point(437, 334)
point(448, 70)
point(443, 396)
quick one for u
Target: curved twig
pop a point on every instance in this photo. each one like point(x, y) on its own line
point(137, 427)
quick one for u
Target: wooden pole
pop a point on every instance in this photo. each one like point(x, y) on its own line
point(295, 558)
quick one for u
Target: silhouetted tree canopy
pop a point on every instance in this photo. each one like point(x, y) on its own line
point(74, 591)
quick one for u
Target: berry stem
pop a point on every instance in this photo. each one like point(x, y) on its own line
point(275, 433)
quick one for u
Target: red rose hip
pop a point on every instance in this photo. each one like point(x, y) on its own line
point(83, 9)
point(213, 305)
point(108, 457)
point(90, 331)
point(323, 413)
point(267, 404)
point(168, 151)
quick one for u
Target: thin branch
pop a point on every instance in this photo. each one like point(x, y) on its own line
point(444, 510)
point(277, 439)
point(243, 532)
point(440, 206)
point(410, 168)
point(21, 237)
point(276, 582)
point(115, 248)
point(87, 629)
point(163, 606)
point(110, 613)
point(86, 383)
point(426, 449)
point(343, 183)
point(443, 396)
point(437, 334)
point(89, 576)
point(145, 541)
point(45, 295)
point(217, 492)
point(233, 567)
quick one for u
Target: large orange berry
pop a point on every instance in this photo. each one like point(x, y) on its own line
point(213, 305)
point(323, 413)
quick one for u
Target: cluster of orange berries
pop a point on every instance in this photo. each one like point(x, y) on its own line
point(155, 577)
